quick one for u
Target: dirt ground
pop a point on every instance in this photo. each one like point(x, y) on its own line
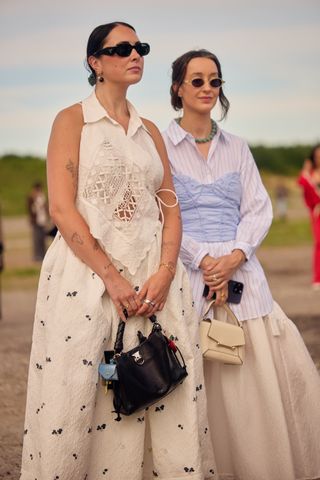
point(288, 271)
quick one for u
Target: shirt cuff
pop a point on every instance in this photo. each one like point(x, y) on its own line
point(198, 257)
point(247, 249)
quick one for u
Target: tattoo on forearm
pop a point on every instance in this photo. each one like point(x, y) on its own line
point(76, 238)
point(95, 245)
point(70, 166)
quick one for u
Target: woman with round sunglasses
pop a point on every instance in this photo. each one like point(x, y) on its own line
point(264, 415)
point(115, 255)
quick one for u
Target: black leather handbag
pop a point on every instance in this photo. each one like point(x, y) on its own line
point(146, 373)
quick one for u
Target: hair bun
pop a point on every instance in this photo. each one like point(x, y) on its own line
point(92, 79)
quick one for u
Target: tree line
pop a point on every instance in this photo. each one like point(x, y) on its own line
point(19, 172)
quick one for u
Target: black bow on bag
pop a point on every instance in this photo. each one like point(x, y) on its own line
point(144, 374)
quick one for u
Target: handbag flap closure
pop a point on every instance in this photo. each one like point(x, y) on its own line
point(226, 334)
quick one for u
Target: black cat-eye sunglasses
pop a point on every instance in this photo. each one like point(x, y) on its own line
point(124, 49)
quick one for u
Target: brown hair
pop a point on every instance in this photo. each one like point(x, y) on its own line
point(179, 68)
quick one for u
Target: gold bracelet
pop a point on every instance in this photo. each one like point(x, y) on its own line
point(168, 267)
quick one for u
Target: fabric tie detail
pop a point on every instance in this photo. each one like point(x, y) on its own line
point(162, 202)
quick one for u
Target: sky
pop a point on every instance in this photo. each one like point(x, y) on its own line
point(269, 52)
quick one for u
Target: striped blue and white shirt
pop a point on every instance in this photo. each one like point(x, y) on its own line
point(224, 206)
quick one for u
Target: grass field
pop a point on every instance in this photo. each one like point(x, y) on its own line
point(290, 233)
point(19, 173)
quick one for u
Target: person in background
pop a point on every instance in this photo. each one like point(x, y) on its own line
point(281, 199)
point(37, 208)
point(309, 180)
point(1, 259)
point(264, 415)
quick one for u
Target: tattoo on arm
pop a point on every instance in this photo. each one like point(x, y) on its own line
point(70, 166)
point(95, 245)
point(76, 238)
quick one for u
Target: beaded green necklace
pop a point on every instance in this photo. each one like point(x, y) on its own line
point(213, 131)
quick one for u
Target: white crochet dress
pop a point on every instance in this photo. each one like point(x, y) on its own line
point(70, 432)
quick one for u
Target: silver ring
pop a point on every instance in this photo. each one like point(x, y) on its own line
point(149, 302)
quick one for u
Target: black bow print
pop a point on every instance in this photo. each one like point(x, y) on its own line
point(57, 432)
point(189, 470)
point(158, 409)
point(72, 294)
point(87, 362)
point(101, 427)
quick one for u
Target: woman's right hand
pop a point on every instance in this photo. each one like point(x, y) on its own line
point(122, 294)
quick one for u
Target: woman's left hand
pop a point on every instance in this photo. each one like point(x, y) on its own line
point(154, 293)
point(218, 274)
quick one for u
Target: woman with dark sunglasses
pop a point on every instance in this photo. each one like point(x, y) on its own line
point(111, 196)
point(264, 415)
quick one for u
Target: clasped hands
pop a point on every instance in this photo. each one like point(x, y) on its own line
point(218, 271)
point(150, 299)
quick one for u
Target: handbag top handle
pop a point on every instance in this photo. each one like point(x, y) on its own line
point(227, 309)
point(118, 344)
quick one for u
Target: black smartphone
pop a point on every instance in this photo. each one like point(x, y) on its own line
point(235, 290)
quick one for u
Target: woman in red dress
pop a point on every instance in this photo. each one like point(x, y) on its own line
point(310, 182)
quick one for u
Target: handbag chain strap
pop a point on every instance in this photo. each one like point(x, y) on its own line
point(227, 309)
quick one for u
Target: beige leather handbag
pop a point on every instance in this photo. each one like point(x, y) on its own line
point(222, 341)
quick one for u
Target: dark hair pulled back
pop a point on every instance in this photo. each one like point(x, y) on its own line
point(179, 68)
point(96, 41)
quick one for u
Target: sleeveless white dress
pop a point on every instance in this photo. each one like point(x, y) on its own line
point(70, 432)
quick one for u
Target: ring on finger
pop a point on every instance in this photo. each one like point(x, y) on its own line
point(149, 302)
point(214, 277)
point(223, 295)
